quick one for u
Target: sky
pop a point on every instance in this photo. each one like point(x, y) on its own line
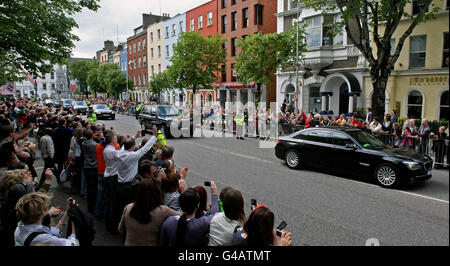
point(116, 19)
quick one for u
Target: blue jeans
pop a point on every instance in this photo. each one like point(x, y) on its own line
point(83, 192)
point(99, 210)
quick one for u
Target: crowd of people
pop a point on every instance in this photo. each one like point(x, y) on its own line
point(407, 135)
point(135, 188)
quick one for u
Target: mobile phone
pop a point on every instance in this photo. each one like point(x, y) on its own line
point(142, 133)
point(207, 184)
point(282, 225)
point(60, 208)
point(253, 202)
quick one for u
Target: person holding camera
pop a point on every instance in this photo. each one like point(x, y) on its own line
point(31, 210)
point(186, 230)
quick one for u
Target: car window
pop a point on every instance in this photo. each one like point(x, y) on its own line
point(366, 140)
point(153, 110)
point(341, 139)
point(321, 136)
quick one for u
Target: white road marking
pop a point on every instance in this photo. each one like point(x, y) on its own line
point(342, 179)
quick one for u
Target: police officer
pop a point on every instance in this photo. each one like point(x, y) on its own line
point(138, 110)
point(160, 138)
point(239, 119)
point(92, 117)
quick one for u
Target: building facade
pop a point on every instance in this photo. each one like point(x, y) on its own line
point(419, 84)
point(332, 71)
point(237, 19)
point(106, 55)
point(138, 58)
point(172, 28)
point(203, 19)
point(124, 60)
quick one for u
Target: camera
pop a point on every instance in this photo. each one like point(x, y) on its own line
point(207, 184)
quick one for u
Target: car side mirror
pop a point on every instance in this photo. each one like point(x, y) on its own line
point(351, 146)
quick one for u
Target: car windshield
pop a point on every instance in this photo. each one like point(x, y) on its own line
point(366, 140)
point(67, 101)
point(80, 103)
point(102, 107)
point(168, 111)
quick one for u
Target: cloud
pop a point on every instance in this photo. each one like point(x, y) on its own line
point(116, 19)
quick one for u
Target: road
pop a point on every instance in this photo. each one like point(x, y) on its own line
point(320, 208)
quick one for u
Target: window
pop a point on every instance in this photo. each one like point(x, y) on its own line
point(327, 39)
point(44, 87)
point(417, 51)
point(443, 111)
point(259, 14)
point(341, 139)
point(233, 73)
point(134, 62)
point(152, 54)
point(143, 44)
point(338, 39)
point(210, 18)
point(134, 48)
point(139, 79)
point(224, 24)
point(233, 21)
point(181, 26)
point(445, 50)
point(415, 102)
point(224, 3)
point(417, 6)
point(313, 31)
point(233, 2)
point(159, 68)
point(192, 25)
point(139, 62)
point(139, 46)
point(153, 71)
point(200, 22)
point(233, 46)
point(144, 80)
point(321, 136)
point(292, 5)
point(224, 73)
point(245, 17)
point(52, 75)
point(151, 36)
point(173, 30)
point(167, 51)
point(145, 61)
point(159, 51)
point(159, 34)
point(167, 32)
point(392, 47)
point(244, 37)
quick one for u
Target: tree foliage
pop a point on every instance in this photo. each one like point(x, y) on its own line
point(159, 83)
point(262, 54)
point(195, 61)
point(375, 22)
point(116, 82)
point(33, 33)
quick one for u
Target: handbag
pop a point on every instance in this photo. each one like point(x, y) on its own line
point(68, 172)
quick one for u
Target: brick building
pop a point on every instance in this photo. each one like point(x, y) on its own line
point(204, 19)
point(238, 19)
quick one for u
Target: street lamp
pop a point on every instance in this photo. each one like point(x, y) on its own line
point(297, 105)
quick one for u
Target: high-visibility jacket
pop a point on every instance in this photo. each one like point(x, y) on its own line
point(161, 138)
point(93, 117)
point(138, 108)
point(110, 106)
point(239, 119)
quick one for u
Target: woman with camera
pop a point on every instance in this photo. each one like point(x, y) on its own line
point(31, 209)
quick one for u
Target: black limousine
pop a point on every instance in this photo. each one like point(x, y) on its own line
point(354, 152)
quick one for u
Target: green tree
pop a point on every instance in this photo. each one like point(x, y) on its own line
point(80, 71)
point(103, 78)
point(35, 32)
point(93, 78)
point(262, 54)
point(116, 82)
point(362, 20)
point(196, 61)
point(159, 83)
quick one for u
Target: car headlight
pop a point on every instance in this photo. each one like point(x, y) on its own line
point(412, 165)
point(112, 113)
point(99, 113)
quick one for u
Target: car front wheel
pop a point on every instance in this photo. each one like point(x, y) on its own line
point(293, 159)
point(387, 176)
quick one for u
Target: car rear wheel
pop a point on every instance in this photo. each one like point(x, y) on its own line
point(387, 176)
point(293, 159)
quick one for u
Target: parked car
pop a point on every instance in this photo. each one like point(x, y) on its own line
point(80, 106)
point(67, 104)
point(103, 111)
point(166, 117)
point(49, 102)
point(353, 151)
